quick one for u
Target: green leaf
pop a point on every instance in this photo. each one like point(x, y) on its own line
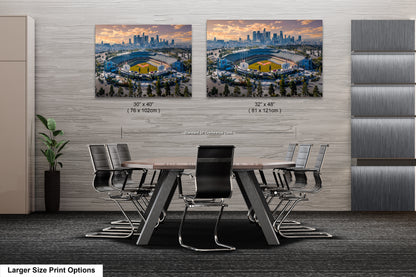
point(58, 155)
point(47, 138)
point(60, 164)
point(59, 143)
point(43, 120)
point(58, 132)
point(62, 146)
point(50, 156)
point(51, 124)
point(46, 143)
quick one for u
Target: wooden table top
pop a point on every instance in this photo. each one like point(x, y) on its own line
point(190, 162)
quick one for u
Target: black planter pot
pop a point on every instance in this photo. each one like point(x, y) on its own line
point(52, 190)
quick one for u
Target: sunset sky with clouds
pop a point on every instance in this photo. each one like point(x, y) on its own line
point(234, 29)
point(119, 33)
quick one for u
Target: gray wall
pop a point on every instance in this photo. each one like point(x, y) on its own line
point(65, 90)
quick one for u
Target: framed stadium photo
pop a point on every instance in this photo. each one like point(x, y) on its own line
point(143, 61)
point(264, 58)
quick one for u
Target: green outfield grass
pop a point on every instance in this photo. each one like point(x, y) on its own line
point(143, 68)
point(264, 66)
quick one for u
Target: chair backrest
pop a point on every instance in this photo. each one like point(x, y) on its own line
point(303, 155)
point(290, 151)
point(213, 171)
point(301, 178)
point(118, 177)
point(99, 160)
point(320, 157)
point(123, 152)
point(99, 157)
point(114, 155)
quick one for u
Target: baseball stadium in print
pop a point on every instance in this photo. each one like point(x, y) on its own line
point(143, 60)
point(264, 58)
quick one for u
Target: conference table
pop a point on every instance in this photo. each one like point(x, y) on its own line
point(244, 171)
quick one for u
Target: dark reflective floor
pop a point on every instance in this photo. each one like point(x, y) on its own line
point(375, 244)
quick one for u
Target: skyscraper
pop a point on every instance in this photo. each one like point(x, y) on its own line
point(157, 38)
point(248, 37)
point(281, 35)
point(254, 36)
point(268, 35)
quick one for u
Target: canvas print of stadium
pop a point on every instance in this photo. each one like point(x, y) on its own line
point(264, 58)
point(143, 60)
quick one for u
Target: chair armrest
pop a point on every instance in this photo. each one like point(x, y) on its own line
point(281, 168)
point(109, 170)
point(294, 169)
point(131, 168)
point(116, 170)
point(187, 173)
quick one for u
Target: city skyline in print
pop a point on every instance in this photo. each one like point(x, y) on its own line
point(143, 61)
point(264, 58)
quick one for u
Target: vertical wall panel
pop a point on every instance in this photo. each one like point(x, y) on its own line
point(383, 78)
point(383, 138)
point(383, 68)
point(383, 100)
point(383, 188)
point(382, 35)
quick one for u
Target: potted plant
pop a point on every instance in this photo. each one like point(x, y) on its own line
point(52, 153)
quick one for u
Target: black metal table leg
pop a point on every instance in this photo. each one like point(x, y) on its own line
point(161, 195)
point(254, 198)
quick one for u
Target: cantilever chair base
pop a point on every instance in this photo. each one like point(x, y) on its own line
point(296, 228)
point(119, 229)
point(304, 235)
point(223, 247)
point(125, 222)
point(137, 222)
point(112, 234)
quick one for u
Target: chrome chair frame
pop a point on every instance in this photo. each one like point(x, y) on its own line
point(224, 247)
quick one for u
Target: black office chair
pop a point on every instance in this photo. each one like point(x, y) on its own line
point(283, 176)
point(213, 183)
point(297, 193)
point(107, 179)
point(124, 155)
point(119, 153)
point(266, 187)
